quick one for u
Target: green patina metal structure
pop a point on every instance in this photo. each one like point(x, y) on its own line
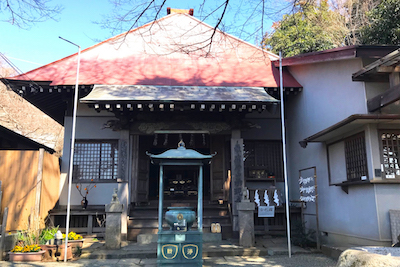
point(176, 247)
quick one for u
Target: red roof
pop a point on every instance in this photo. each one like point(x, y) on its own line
point(170, 51)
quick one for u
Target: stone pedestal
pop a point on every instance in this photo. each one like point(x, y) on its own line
point(394, 216)
point(246, 223)
point(113, 223)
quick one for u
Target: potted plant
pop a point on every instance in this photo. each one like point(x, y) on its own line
point(76, 242)
point(26, 253)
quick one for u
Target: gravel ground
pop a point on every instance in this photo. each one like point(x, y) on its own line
point(304, 260)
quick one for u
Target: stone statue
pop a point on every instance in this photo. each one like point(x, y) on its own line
point(115, 196)
point(245, 195)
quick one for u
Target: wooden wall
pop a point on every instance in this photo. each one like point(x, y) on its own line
point(24, 192)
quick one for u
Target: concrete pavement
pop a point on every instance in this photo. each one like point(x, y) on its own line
point(268, 252)
point(302, 260)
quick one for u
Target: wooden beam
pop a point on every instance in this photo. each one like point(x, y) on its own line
point(3, 232)
point(388, 69)
point(394, 79)
point(384, 99)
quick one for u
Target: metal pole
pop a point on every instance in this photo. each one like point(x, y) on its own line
point(200, 201)
point(160, 199)
point(71, 158)
point(316, 208)
point(284, 156)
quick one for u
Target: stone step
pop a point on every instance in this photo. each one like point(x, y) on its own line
point(133, 233)
point(144, 219)
point(154, 212)
point(154, 224)
point(152, 238)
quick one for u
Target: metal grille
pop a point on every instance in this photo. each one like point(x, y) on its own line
point(390, 154)
point(356, 157)
point(97, 160)
point(265, 155)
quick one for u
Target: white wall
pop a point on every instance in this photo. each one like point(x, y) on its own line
point(387, 196)
point(89, 125)
point(329, 95)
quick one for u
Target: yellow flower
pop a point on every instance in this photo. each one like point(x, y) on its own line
point(17, 249)
point(26, 249)
point(73, 236)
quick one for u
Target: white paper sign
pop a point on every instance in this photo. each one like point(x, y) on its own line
point(266, 211)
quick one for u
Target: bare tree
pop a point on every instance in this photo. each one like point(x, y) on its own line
point(355, 17)
point(25, 13)
point(19, 116)
point(244, 19)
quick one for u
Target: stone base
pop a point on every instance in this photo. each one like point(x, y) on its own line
point(246, 223)
point(152, 238)
point(395, 225)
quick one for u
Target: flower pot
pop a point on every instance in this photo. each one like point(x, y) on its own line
point(56, 253)
point(76, 243)
point(28, 256)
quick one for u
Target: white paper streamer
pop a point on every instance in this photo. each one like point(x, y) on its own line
point(276, 197)
point(266, 198)
point(257, 198)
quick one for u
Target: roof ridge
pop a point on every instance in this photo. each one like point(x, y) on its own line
point(98, 44)
point(144, 26)
point(232, 36)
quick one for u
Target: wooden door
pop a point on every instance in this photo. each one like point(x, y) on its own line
point(218, 173)
point(140, 169)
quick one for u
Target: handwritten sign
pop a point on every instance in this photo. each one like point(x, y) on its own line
point(266, 211)
point(307, 189)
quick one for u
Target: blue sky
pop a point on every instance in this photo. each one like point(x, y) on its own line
point(40, 44)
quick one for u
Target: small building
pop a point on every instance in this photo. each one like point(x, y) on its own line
point(179, 79)
point(173, 79)
point(30, 145)
point(345, 126)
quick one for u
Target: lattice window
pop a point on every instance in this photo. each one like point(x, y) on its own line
point(97, 160)
point(356, 157)
point(390, 143)
point(265, 156)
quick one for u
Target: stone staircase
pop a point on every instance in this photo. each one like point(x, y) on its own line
point(144, 219)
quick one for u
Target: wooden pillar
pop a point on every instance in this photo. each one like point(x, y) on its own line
point(39, 178)
point(237, 172)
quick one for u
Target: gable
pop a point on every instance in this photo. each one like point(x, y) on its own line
point(175, 50)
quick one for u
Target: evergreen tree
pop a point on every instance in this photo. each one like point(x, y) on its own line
point(384, 24)
point(314, 27)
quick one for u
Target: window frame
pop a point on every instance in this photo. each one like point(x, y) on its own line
point(381, 153)
point(115, 160)
point(262, 168)
point(364, 167)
